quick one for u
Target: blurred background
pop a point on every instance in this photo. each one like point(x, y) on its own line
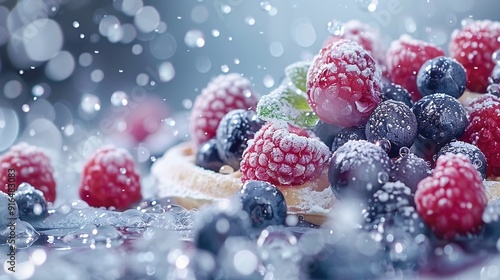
point(75, 74)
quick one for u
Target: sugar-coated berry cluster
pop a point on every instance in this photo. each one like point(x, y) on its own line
point(394, 145)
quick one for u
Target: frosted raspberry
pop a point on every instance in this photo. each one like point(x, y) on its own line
point(364, 34)
point(343, 84)
point(30, 165)
point(473, 46)
point(109, 179)
point(484, 131)
point(223, 94)
point(404, 58)
point(281, 157)
point(452, 200)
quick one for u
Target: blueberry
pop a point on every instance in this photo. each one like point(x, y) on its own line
point(410, 169)
point(404, 217)
point(472, 152)
point(31, 203)
point(234, 130)
point(357, 169)
point(216, 225)
point(392, 91)
point(346, 134)
point(355, 256)
point(264, 203)
point(388, 199)
point(326, 132)
point(393, 121)
point(8, 211)
point(207, 156)
point(406, 251)
point(440, 118)
point(424, 148)
point(442, 75)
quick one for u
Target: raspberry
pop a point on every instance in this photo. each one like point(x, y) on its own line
point(222, 94)
point(343, 84)
point(281, 157)
point(31, 165)
point(473, 46)
point(404, 58)
point(364, 34)
point(110, 179)
point(452, 200)
point(484, 131)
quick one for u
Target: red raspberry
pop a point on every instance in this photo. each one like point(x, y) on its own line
point(484, 131)
point(31, 165)
point(473, 47)
point(404, 58)
point(223, 94)
point(281, 157)
point(343, 84)
point(452, 200)
point(109, 179)
point(364, 34)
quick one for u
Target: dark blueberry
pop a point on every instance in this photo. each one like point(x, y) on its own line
point(440, 118)
point(404, 217)
point(357, 169)
point(410, 169)
point(388, 199)
point(31, 203)
point(264, 203)
point(424, 148)
point(8, 210)
point(216, 225)
point(346, 134)
point(234, 130)
point(356, 256)
point(392, 91)
point(442, 75)
point(326, 132)
point(472, 152)
point(393, 121)
point(406, 250)
point(207, 156)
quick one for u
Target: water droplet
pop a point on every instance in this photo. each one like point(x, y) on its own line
point(494, 89)
point(166, 71)
point(226, 9)
point(123, 170)
point(384, 144)
point(119, 98)
point(268, 81)
point(266, 6)
point(37, 90)
point(496, 56)
point(90, 103)
point(404, 151)
point(250, 20)
point(76, 24)
point(194, 38)
point(215, 33)
point(25, 108)
point(466, 21)
point(382, 177)
point(226, 169)
point(368, 5)
point(224, 68)
point(335, 28)
point(477, 163)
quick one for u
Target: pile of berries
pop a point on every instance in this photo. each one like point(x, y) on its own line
point(412, 152)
